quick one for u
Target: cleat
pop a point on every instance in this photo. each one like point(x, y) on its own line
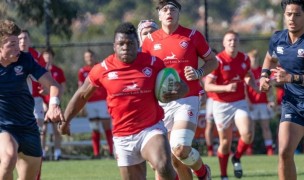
point(224, 178)
point(238, 171)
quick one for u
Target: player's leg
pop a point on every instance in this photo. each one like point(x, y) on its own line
point(57, 142)
point(290, 135)
point(156, 150)
point(209, 127)
point(182, 134)
point(8, 155)
point(27, 167)
point(267, 134)
point(133, 172)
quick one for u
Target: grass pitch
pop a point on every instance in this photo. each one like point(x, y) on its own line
point(257, 167)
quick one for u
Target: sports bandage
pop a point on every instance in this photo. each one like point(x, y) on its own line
point(54, 101)
point(181, 137)
point(192, 158)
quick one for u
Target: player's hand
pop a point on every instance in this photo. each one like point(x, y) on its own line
point(190, 73)
point(54, 114)
point(231, 87)
point(280, 75)
point(264, 84)
point(64, 128)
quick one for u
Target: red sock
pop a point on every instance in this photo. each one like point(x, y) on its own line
point(269, 150)
point(109, 137)
point(241, 148)
point(96, 142)
point(210, 148)
point(201, 172)
point(39, 173)
point(223, 160)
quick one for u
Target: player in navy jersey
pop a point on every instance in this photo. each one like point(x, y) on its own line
point(20, 145)
point(287, 48)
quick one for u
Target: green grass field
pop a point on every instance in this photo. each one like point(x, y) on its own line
point(258, 167)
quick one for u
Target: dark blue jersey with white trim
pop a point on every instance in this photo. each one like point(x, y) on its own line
point(291, 59)
point(16, 101)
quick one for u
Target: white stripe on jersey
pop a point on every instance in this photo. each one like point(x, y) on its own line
point(150, 37)
point(153, 59)
point(192, 33)
point(103, 64)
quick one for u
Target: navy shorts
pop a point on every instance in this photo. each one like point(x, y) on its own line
point(28, 141)
point(292, 113)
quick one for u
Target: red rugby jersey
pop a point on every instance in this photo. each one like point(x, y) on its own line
point(255, 97)
point(100, 93)
point(130, 92)
point(231, 70)
point(178, 50)
point(40, 60)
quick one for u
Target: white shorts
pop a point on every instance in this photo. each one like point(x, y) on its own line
point(38, 108)
point(184, 109)
point(97, 109)
point(209, 110)
point(128, 148)
point(224, 113)
point(260, 112)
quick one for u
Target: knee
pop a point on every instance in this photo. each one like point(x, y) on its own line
point(248, 137)
point(285, 153)
point(181, 152)
point(164, 168)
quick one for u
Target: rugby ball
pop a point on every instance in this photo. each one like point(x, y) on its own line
point(165, 82)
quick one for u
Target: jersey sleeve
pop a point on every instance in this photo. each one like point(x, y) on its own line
point(94, 75)
point(272, 44)
point(202, 47)
point(61, 78)
point(35, 69)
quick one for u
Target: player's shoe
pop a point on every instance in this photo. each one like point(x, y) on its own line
point(207, 175)
point(224, 178)
point(238, 171)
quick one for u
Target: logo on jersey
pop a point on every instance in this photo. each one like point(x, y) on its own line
point(280, 50)
point(157, 47)
point(244, 65)
point(18, 70)
point(184, 44)
point(287, 116)
point(300, 53)
point(190, 113)
point(170, 57)
point(133, 87)
point(147, 71)
point(112, 75)
point(226, 68)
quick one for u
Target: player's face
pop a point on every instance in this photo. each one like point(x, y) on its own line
point(24, 41)
point(125, 47)
point(9, 50)
point(144, 33)
point(169, 15)
point(48, 58)
point(294, 18)
point(88, 58)
point(231, 43)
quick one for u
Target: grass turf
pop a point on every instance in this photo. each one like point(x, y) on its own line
point(255, 168)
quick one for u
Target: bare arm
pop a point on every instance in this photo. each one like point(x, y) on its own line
point(212, 87)
point(250, 80)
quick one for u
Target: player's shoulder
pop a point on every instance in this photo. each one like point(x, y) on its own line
point(278, 35)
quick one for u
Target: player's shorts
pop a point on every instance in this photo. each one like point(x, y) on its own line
point(97, 109)
point(224, 113)
point(38, 108)
point(28, 141)
point(209, 110)
point(260, 112)
point(292, 113)
point(128, 148)
point(184, 109)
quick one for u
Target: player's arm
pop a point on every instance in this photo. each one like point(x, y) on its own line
point(269, 63)
point(210, 64)
point(211, 86)
point(250, 80)
point(54, 112)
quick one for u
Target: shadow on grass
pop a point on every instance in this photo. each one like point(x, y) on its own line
point(273, 174)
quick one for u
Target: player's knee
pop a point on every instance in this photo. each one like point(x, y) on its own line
point(94, 125)
point(180, 142)
point(192, 158)
point(164, 169)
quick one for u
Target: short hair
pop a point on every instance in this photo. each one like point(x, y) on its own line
point(48, 51)
point(126, 28)
point(25, 31)
point(232, 32)
point(8, 28)
point(284, 3)
point(162, 3)
point(90, 51)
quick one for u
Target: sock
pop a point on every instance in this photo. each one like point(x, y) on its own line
point(201, 172)
point(210, 148)
point(109, 137)
point(96, 142)
point(223, 161)
point(57, 153)
point(241, 148)
point(268, 142)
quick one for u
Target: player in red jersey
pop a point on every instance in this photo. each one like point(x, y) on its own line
point(58, 75)
point(145, 28)
point(259, 109)
point(229, 105)
point(129, 77)
point(180, 48)
point(96, 108)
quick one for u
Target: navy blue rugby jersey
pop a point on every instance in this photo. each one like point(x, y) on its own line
point(291, 58)
point(16, 101)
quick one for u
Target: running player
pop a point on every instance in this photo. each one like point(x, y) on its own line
point(129, 78)
point(286, 48)
point(181, 48)
point(20, 145)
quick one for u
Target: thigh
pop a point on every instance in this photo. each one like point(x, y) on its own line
point(8, 145)
point(133, 172)
point(28, 166)
point(290, 135)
